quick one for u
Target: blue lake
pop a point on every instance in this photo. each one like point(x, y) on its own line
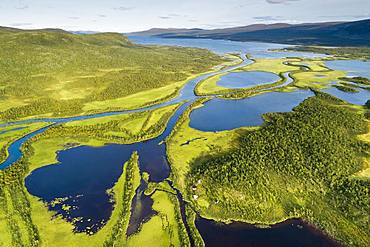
point(353, 67)
point(221, 114)
point(247, 79)
point(256, 49)
point(359, 98)
point(83, 174)
point(291, 233)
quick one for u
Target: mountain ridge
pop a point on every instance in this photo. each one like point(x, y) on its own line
point(355, 33)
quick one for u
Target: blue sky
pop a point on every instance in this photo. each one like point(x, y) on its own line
point(131, 15)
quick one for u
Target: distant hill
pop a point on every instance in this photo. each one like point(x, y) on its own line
point(14, 30)
point(356, 33)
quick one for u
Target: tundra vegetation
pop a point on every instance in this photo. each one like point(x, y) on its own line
point(56, 73)
point(312, 163)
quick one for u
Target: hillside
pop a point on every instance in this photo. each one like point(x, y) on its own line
point(355, 33)
point(58, 73)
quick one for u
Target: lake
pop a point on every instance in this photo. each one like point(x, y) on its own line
point(247, 79)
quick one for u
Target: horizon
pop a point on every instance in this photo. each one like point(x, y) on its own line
point(174, 28)
point(122, 17)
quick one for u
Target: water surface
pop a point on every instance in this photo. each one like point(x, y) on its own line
point(353, 67)
point(83, 175)
point(256, 49)
point(359, 98)
point(220, 114)
point(247, 79)
point(292, 233)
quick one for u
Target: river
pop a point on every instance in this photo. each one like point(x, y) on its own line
point(73, 179)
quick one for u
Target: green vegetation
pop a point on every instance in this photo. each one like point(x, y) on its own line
point(165, 228)
point(346, 52)
point(26, 221)
point(346, 89)
point(41, 150)
point(185, 144)
point(191, 217)
point(357, 80)
point(130, 180)
point(306, 163)
point(277, 66)
point(307, 73)
point(11, 133)
point(55, 73)
point(317, 76)
point(126, 128)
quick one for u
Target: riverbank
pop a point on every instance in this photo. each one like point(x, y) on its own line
point(224, 186)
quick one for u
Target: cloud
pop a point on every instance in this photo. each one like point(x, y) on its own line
point(21, 24)
point(74, 17)
point(268, 18)
point(173, 15)
point(346, 16)
point(22, 7)
point(102, 16)
point(280, 1)
point(122, 8)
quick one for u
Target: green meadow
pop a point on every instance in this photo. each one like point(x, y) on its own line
point(311, 163)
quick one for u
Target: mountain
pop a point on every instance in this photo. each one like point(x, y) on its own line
point(356, 33)
point(161, 31)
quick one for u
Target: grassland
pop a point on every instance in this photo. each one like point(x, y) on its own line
point(277, 66)
point(310, 163)
point(318, 76)
point(185, 144)
point(164, 228)
point(342, 52)
point(306, 72)
point(40, 151)
point(55, 73)
point(26, 221)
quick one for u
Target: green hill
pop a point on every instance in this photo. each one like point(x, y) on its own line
point(57, 73)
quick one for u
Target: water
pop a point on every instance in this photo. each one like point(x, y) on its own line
point(291, 233)
point(186, 93)
point(11, 130)
point(14, 150)
point(247, 79)
point(219, 114)
point(353, 67)
point(359, 98)
point(256, 49)
point(84, 174)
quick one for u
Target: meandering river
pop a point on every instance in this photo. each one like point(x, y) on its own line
point(74, 178)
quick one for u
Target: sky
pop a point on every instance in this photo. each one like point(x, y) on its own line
point(136, 15)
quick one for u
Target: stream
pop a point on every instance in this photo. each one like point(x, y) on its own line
point(72, 181)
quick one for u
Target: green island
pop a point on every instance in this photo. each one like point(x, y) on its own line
point(311, 163)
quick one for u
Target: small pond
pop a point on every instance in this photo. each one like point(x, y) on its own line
point(247, 79)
